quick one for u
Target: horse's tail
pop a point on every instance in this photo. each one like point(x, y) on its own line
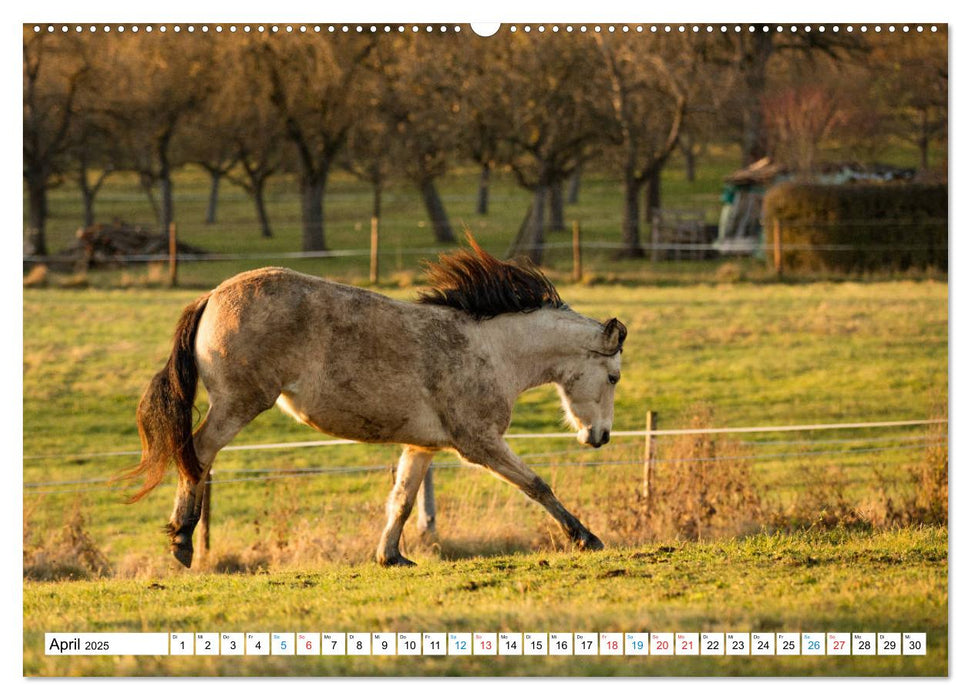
point(165, 411)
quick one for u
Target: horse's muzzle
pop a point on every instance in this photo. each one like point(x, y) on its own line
point(597, 439)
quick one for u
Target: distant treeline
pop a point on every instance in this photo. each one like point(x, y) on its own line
point(406, 106)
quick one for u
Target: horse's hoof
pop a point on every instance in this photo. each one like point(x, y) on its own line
point(184, 555)
point(591, 543)
point(396, 561)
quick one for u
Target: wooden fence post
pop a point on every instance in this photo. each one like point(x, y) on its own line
point(204, 516)
point(577, 259)
point(649, 460)
point(374, 250)
point(173, 256)
point(777, 246)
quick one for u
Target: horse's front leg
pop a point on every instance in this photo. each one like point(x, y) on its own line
point(497, 457)
point(409, 474)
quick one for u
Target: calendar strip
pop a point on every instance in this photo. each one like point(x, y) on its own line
point(486, 644)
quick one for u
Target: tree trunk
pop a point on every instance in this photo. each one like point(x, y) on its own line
point(652, 193)
point(754, 142)
point(168, 209)
point(924, 141)
point(258, 198)
point(436, 212)
point(521, 234)
point(529, 240)
point(631, 225)
point(533, 248)
point(573, 194)
point(214, 177)
point(167, 213)
point(36, 233)
point(88, 196)
point(482, 205)
point(89, 191)
point(689, 164)
point(147, 183)
point(556, 206)
point(376, 200)
point(312, 212)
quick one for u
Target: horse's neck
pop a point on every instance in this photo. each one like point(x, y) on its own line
point(531, 348)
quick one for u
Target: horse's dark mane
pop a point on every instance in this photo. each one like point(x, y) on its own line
point(484, 286)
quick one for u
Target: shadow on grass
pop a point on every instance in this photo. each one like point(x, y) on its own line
point(460, 548)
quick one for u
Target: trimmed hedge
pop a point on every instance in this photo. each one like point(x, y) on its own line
point(858, 228)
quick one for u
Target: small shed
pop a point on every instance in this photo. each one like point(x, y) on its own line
point(740, 223)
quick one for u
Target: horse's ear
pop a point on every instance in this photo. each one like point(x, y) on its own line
point(614, 333)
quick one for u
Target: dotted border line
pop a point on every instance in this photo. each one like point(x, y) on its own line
point(443, 28)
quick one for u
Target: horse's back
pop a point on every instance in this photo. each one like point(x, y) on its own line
point(345, 360)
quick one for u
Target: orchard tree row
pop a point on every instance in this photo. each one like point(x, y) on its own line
point(408, 107)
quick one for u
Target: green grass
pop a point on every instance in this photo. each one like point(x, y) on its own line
point(757, 351)
point(758, 354)
point(763, 583)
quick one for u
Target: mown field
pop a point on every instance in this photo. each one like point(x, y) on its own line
point(781, 532)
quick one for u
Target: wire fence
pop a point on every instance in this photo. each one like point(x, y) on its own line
point(898, 443)
point(647, 246)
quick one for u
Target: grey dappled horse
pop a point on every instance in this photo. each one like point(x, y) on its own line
point(439, 374)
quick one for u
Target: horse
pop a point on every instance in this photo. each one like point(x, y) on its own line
point(438, 373)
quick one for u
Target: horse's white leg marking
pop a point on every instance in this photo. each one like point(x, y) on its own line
point(219, 426)
point(410, 472)
point(426, 509)
point(497, 457)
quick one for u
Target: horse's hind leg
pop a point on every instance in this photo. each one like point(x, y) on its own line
point(426, 509)
point(221, 424)
point(409, 474)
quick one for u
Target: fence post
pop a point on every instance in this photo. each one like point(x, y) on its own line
point(577, 259)
point(204, 516)
point(173, 256)
point(777, 246)
point(374, 250)
point(649, 460)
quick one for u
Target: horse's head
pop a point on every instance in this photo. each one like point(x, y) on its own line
point(588, 384)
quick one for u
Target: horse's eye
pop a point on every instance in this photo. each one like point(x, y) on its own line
point(613, 378)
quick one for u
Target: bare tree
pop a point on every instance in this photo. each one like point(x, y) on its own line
point(911, 80)
point(154, 84)
point(311, 80)
point(481, 115)
point(421, 98)
point(648, 110)
point(253, 126)
point(749, 54)
point(552, 110)
point(54, 69)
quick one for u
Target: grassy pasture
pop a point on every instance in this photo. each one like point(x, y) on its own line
point(294, 553)
point(758, 354)
point(765, 583)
